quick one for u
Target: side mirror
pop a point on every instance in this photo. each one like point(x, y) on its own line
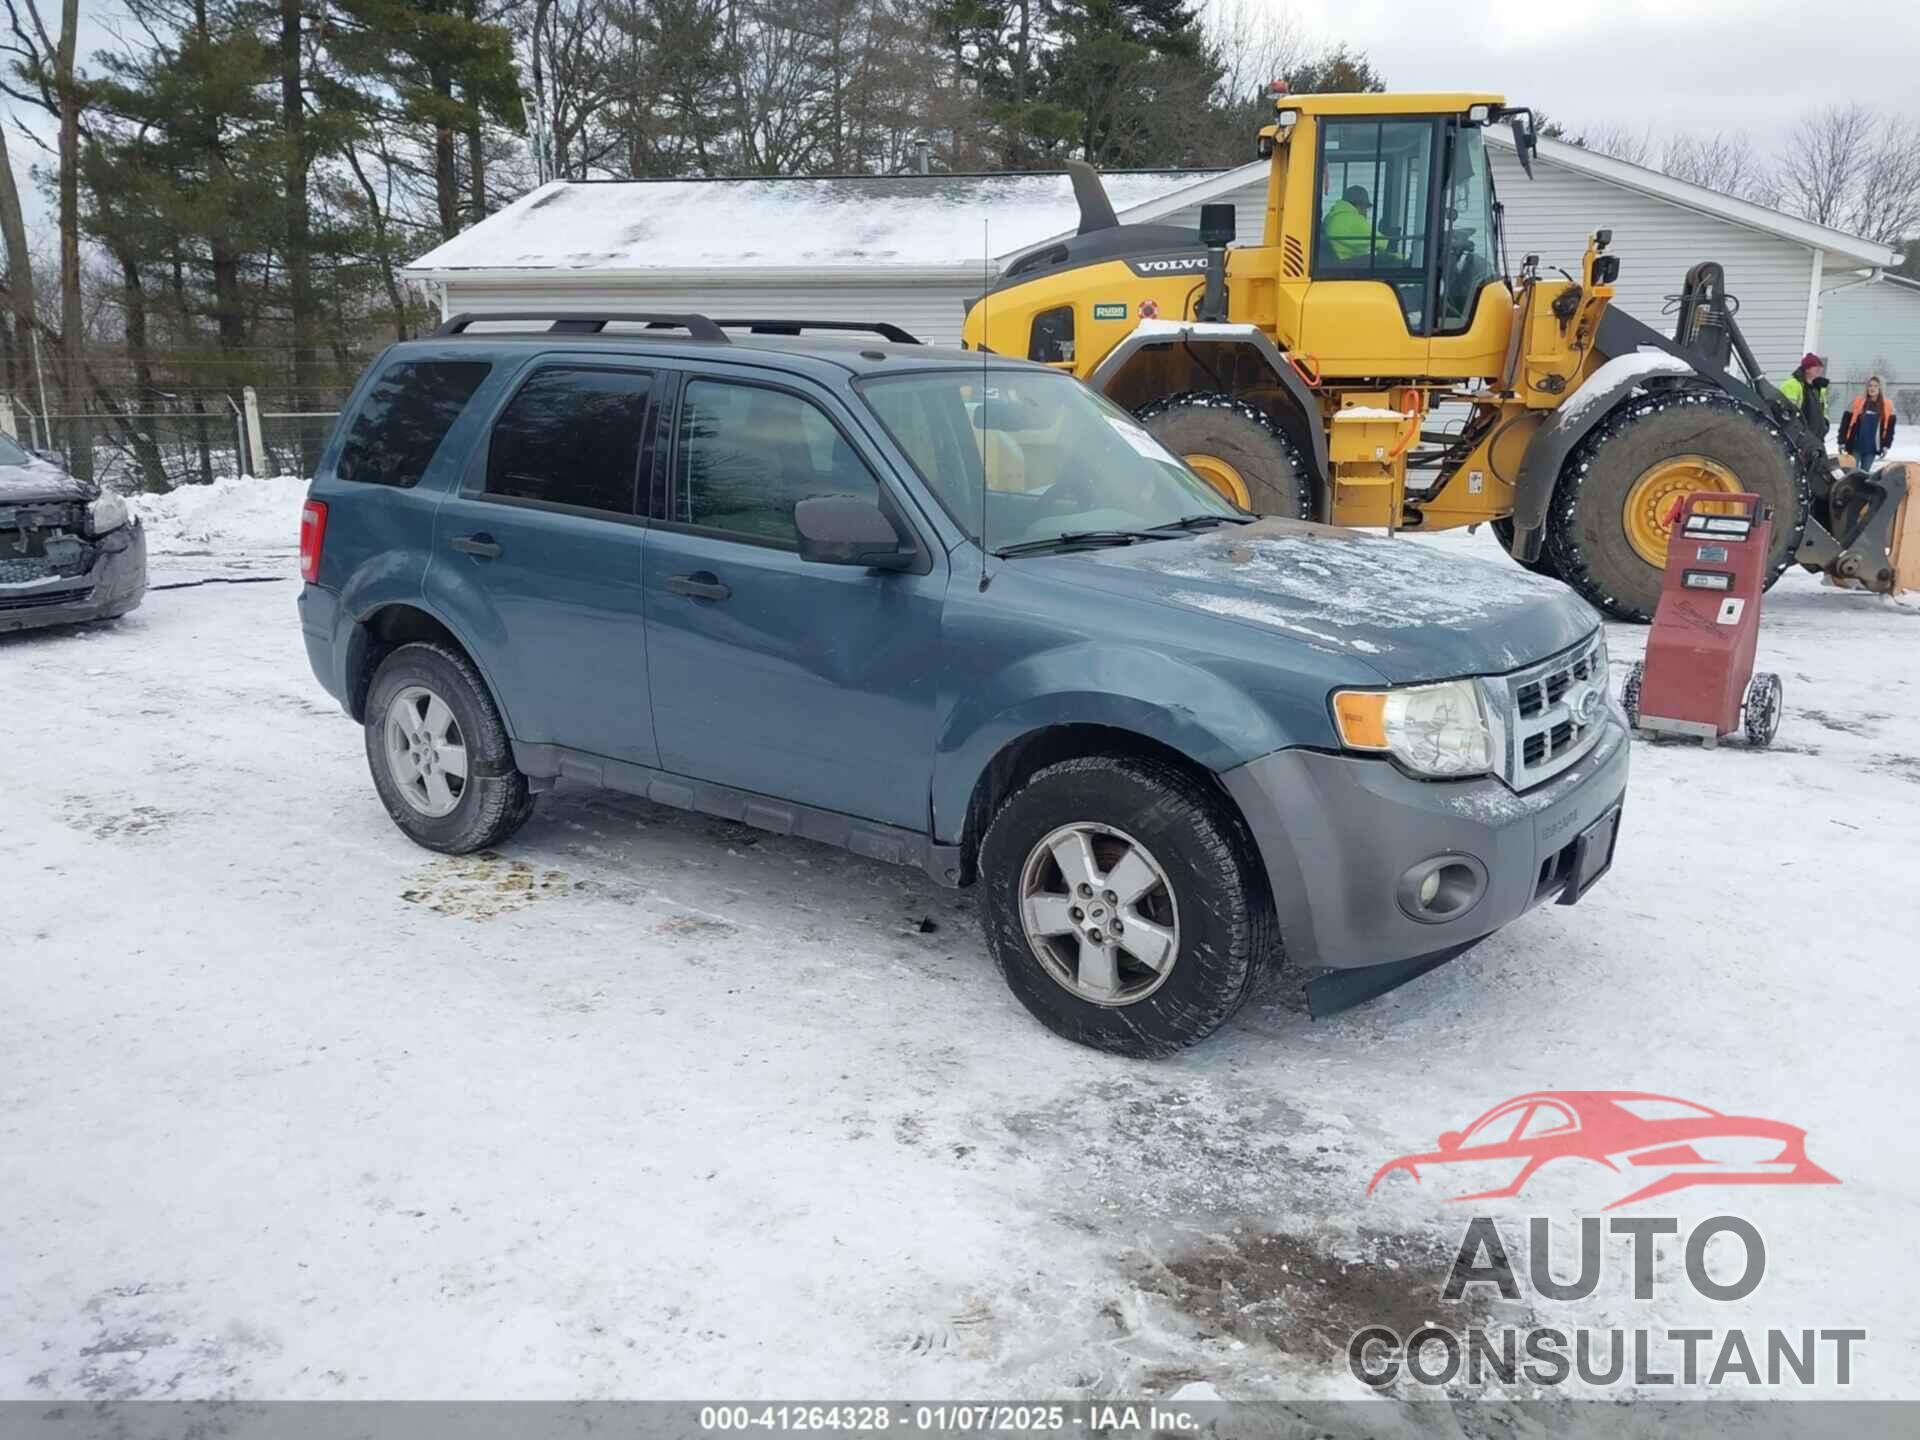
point(1450, 1140)
point(1217, 224)
point(1526, 142)
point(844, 530)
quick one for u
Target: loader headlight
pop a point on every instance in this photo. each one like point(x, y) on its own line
point(1436, 730)
point(107, 513)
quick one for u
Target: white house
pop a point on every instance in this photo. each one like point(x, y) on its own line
point(1871, 327)
point(912, 249)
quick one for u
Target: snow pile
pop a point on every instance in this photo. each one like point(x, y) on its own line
point(217, 527)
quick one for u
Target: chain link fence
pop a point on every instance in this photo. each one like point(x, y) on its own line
point(192, 443)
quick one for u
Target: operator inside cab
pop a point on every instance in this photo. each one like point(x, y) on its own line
point(1349, 229)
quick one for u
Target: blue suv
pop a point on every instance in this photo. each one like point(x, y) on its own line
point(950, 610)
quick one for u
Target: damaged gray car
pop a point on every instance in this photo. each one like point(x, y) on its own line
point(68, 552)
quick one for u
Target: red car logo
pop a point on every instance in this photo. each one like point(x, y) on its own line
point(1675, 1143)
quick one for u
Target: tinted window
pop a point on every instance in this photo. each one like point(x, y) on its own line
point(571, 437)
point(748, 455)
point(404, 418)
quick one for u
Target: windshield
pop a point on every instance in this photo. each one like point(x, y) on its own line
point(12, 454)
point(1049, 457)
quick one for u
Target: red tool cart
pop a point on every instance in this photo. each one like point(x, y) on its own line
point(1698, 679)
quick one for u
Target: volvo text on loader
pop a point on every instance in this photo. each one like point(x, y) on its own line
point(1316, 373)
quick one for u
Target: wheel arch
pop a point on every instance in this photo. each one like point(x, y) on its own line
point(1027, 753)
point(1161, 360)
point(384, 628)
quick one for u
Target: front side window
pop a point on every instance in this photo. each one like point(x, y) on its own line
point(1495, 1129)
point(1375, 180)
point(11, 453)
point(747, 455)
point(404, 417)
point(571, 437)
point(1042, 454)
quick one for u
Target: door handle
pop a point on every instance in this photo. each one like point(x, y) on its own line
point(701, 585)
point(482, 545)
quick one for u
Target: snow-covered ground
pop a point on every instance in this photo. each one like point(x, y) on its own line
point(654, 1105)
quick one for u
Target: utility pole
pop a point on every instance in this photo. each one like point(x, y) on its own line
point(40, 376)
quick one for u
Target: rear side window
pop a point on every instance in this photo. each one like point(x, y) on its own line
point(572, 437)
point(404, 418)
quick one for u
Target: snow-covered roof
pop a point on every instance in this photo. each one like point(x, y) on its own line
point(904, 223)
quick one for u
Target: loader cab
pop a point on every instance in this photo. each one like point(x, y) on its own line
point(1399, 214)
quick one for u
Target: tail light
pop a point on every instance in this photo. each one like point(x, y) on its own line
point(313, 534)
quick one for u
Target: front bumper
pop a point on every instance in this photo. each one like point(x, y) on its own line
point(113, 585)
point(1338, 833)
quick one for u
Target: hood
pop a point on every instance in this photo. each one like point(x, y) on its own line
point(39, 483)
point(1407, 608)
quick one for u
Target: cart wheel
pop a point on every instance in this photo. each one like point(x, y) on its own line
point(1630, 693)
point(1763, 709)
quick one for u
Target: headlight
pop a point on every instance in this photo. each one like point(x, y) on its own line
point(109, 512)
point(1438, 730)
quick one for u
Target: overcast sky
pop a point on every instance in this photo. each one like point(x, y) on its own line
point(1699, 65)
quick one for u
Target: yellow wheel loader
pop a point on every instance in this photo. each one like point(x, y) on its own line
point(1372, 362)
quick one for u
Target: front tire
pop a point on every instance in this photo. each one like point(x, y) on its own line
point(1235, 449)
point(1606, 525)
point(1124, 904)
point(439, 753)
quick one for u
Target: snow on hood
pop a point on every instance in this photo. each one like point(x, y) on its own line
point(1411, 611)
point(38, 481)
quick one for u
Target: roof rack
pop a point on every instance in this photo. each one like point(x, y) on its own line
point(882, 328)
point(580, 322)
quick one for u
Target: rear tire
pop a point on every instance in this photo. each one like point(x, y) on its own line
point(489, 796)
point(1208, 902)
point(1587, 533)
point(1204, 423)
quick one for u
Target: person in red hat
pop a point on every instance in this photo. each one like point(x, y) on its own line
point(1806, 390)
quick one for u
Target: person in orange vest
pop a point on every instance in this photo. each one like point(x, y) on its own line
point(1866, 430)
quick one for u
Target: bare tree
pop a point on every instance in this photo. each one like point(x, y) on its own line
point(1622, 142)
point(1723, 161)
point(1821, 165)
point(13, 230)
point(45, 60)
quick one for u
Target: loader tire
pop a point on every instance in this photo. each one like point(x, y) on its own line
point(1236, 449)
point(1588, 523)
point(1543, 565)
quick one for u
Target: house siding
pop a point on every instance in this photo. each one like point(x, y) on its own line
point(1867, 330)
point(1657, 242)
point(931, 311)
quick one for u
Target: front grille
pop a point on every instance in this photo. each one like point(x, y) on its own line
point(20, 572)
point(41, 598)
point(1545, 717)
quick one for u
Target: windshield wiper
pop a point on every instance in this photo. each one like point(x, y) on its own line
point(1073, 538)
point(1202, 522)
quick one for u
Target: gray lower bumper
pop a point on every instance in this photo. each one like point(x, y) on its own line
point(1338, 832)
point(116, 584)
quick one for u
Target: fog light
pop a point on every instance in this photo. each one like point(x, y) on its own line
point(1441, 888)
